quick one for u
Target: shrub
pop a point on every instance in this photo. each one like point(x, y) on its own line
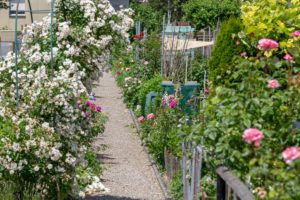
point(221, 64)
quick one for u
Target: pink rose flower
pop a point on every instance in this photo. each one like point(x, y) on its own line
point(273, 84)
point(290, 154)
point(173, 104)
point(146, 63)
point(267, 44)
point(244, 54)
point(289, 58)
point(253, 135)
point(150, 116)
point(237, 43)
point(98, 108)
point(92, 106)
point(296, 34)
point(88, 103)
point(141, 119)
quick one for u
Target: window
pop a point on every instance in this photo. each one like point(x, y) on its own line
point(13, 8)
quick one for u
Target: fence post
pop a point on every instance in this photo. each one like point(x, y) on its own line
point(221, 188)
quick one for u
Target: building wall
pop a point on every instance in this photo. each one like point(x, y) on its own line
point(8, 23)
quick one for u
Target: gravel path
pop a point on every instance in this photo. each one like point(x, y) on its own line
point(128, 174)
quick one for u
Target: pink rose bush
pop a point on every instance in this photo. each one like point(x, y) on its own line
point(253, 135)
point(273, 84)
point(267, 44)
point(169, 100)
point(290, 154)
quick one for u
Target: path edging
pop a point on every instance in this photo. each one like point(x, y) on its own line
point(162, 185)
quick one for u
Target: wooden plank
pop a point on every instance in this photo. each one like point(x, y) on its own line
point(239, 188)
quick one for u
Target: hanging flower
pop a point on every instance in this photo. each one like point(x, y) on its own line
point(290, 154)
point(253, 135)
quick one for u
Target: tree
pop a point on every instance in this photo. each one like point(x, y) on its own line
point(205, 13)
point(174, 5)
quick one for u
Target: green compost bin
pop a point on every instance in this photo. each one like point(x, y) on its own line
point(150, 105)
point(167, 87)
point(189, 103)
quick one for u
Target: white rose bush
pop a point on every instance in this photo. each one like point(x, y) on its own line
point(47, 121)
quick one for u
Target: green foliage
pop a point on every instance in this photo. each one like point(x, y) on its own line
point(162, 133)
point(150, 17)
point(176, 186)
point(247, 102)
point(271, 18)
point(152, 85)
point(204, 13)
point(221, 63)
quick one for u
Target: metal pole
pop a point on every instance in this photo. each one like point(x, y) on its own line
point(51, 31)
point(186, 67)
point(162, 48)
point(30, 10)
point(16, 55)
point(137, 32)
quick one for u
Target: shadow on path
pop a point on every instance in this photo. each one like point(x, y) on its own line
point(108, 197)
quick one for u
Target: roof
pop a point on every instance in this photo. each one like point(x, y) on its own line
point(180, 44)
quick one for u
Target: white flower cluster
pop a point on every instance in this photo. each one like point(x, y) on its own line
point(48, 132)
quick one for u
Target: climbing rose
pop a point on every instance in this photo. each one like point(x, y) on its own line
point(296, 34)
point(267, 44)
point(150, 116)
point(289, 58)
point(290, 154)
point(253, 135)
point(141, 119)
point(98, 108)
point(273, 84)
point(146, 63)
point(237, 43)
point(173, 104)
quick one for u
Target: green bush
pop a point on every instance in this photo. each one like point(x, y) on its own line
point(152, 85)
point(221, 64)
